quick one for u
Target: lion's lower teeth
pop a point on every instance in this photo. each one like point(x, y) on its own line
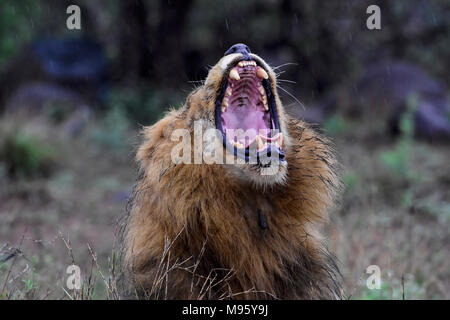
point(238, 144)
point(224, 104)
point(260, 143)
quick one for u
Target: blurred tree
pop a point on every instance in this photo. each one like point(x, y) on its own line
point(163, 44)
point(169, 40)
point(17, 26)
point(134, 57)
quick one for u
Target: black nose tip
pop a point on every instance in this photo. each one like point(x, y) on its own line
point(239, 48)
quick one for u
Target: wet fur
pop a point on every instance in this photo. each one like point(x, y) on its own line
point(203, 231)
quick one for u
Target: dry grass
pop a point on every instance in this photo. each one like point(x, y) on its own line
point(399, 222)
point(217, 281)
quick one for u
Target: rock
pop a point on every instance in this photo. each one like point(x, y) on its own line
point(381, 97)
point(59, 66)
point(389, 88)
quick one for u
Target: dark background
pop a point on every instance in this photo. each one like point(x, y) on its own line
point(72, 102)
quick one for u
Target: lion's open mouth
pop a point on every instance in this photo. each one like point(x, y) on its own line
point(246, 113)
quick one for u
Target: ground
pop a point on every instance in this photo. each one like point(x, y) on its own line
point(394, 213)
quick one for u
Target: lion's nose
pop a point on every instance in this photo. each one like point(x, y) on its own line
point(239, 48)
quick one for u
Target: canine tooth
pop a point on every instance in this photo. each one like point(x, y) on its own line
point(241, 64)
point(261, 73)
point(234, 75)
point(259, 142)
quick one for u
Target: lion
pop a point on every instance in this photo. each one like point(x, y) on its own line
point(243, 229)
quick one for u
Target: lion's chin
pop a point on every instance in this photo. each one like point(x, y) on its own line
point(260, 176)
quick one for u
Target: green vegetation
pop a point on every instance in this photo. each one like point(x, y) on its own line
point(398, 159)
point(394, 290)
point(350, 181)
point(142, 105)
point(24, 156)
point(337, 124)
point(112, 129)
point(17, 26)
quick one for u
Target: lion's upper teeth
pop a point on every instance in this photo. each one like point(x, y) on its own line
point(264, 101)
point(224, 104)
point(263, 97)
point(234, 74)
point(246, 63)
point(261, 90)
point(261, 73)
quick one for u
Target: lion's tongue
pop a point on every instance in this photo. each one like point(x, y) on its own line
point(244, 123)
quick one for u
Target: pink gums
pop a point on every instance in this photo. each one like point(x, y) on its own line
point(245, 116)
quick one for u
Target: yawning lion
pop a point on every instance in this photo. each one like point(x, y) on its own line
point(246, 225)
